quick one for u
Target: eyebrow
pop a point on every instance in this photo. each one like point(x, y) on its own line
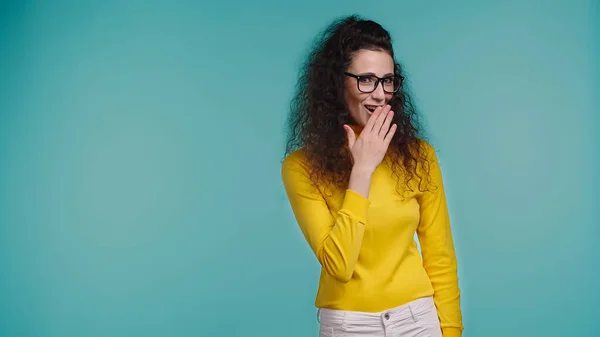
point(372, 74)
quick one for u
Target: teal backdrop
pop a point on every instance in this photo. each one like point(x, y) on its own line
point(140, 150)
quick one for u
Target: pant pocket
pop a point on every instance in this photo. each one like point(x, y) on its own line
point(326, 331)
point(429, 322)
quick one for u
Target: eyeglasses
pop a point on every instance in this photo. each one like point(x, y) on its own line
point(368, 83)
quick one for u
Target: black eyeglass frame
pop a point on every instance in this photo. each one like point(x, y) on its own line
point(379, 79)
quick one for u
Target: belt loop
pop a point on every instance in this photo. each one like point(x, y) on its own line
point(412, 314)
point(319, 315)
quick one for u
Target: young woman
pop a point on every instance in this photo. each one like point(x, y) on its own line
point(361, 182)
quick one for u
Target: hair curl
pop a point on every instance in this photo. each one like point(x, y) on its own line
point(318, 109)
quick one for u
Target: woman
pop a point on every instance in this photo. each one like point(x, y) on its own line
point(361, 182)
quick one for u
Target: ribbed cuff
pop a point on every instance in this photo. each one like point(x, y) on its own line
point(451, 332)
point(357, 205)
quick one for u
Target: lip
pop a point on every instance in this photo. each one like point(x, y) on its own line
point(369, 111)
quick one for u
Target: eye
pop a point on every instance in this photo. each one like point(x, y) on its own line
point(365, 79)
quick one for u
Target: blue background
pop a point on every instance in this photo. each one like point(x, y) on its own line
point(140, 149)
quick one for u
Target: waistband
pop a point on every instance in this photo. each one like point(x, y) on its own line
point(408, 310)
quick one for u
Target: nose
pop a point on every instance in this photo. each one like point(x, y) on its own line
point(378, 93)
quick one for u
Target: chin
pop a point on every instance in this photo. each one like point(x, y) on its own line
point(362, 118)
point(366, 118)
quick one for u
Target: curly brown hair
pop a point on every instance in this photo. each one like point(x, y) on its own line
point(319, 110)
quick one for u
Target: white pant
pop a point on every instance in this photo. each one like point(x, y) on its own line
point(417, 318)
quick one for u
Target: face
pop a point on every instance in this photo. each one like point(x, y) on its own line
point(367, 62)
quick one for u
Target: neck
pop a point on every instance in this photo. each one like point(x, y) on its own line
point(356, 128)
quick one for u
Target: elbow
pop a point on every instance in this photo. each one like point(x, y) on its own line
point(341, 271)
point(337, 262)
point(342, 276)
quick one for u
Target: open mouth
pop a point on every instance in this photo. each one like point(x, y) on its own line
point(371, 108)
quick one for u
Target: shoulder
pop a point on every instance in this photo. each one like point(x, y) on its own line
point(296, 174)
point(295, 158)
point(421, 150)
point(426, 149)
point(295, 162)
point(427, 159)
point(425, 145)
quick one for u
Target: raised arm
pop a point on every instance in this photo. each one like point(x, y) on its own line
point(336, 238)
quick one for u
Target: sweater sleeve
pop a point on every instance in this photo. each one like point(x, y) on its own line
point(335, 239)
point(437, 247)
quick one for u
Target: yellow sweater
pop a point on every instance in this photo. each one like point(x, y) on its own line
point(366, 247)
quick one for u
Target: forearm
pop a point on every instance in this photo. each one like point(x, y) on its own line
point(335, 239)
point(451, 332)
point(339, 252)
point(440, 263)
point(447, 296)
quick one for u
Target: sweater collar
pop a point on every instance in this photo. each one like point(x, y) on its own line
point(356, 128)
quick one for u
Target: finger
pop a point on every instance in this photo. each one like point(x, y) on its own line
point(388, 138)
point(350, 136)
point(386, 124)
point(371, 121)
point(380, 119)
